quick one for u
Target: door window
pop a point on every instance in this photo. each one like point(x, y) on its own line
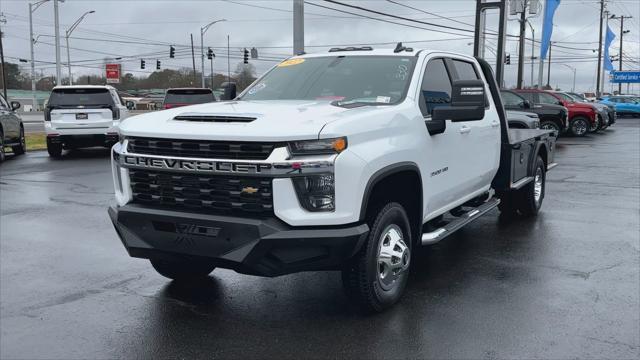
point(465, 70)
point(511, 99)
point(529, 96)
point(548, 99)
point(436, 87)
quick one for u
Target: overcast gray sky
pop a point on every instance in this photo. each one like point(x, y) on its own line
point(145, 29)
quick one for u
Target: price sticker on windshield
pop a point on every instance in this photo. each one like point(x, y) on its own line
point(291, 62)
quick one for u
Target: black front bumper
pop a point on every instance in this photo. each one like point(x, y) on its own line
point(265, 247)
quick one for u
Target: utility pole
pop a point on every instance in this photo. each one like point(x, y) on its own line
point(4, 70)
point(541, 65)
point(214, 55)
point(549, 65)
point(193, 57)
point(523, 19)
point(298, 27)
point(599, 50)
point(622, 32)
point(533, 49)
point(228, 61)
point(57, 35)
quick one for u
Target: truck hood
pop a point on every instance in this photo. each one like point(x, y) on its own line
point(279, 120)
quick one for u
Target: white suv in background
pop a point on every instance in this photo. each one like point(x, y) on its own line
point(82, 116)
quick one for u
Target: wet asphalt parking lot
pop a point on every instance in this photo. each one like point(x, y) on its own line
point(563, 285)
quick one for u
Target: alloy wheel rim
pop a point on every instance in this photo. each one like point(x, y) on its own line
point(537, 186)
point(579, 127)
point(393, 257)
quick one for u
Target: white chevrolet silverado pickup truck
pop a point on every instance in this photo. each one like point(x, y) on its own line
point(346, 160)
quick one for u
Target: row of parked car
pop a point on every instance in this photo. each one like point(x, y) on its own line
point(88, 115)
point(565, 112)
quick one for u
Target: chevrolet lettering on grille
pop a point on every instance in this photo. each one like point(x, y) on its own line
point(193, 165)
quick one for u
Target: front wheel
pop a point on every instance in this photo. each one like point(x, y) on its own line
point(182, 269)
point(579, 126)
point(22, 147)
point(377, 276)
point(550, 125)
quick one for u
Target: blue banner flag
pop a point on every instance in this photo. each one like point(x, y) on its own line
point(607, 42)
point(547, 26)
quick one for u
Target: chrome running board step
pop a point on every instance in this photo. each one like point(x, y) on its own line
point(441, 233)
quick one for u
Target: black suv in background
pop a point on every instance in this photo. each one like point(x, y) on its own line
point(552, 117)
point(11, 128)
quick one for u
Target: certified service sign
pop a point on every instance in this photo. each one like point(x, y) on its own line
point(625, 77)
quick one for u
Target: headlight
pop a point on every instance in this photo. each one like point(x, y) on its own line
point(317, 147)
point(536, 124)
point(315, 193)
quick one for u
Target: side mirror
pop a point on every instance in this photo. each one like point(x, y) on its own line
point(229, 91)
point(130, 105)
point(560, 103)
point(15, 105)
point(467, 102)
point(526, 104)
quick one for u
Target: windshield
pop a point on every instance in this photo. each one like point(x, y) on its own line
point(80, 97)
point(346, 79)
point(189, 96)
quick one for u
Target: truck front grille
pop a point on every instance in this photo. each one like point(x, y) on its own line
point(225, 195)
point(201, 148)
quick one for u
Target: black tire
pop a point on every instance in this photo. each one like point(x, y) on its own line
point(2, 155)
point(530, 197)
point(550, 125)
point(54, 150)
point(579, 126)
point(182, 270)
point(371, 283)
point(22, 147)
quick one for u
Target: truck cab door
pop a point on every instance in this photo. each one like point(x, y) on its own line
point(480, 138)
point(441, 143)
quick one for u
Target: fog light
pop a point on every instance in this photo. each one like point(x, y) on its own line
point(315, 193)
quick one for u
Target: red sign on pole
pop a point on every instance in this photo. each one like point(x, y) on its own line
point(113, 73)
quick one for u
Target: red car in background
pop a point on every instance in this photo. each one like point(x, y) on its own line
point(583, 117)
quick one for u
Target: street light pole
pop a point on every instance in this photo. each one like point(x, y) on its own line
point(67, 34)
point(32, 8)
point(203, 30)
point(573, 88)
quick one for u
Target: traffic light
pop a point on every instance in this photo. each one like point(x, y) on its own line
point(142, 64)
point(210, 54)
point(507, 59)
point(157, 64)
point(172, 52)
point(246, 56)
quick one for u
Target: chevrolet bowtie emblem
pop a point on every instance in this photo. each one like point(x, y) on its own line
point(249, 190)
